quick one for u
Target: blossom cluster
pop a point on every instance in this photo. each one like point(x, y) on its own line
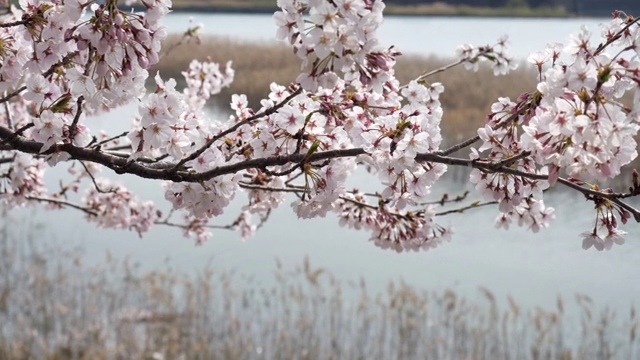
point(336, 37)
point(575, 123)
point(63, 61)
point(114, 206)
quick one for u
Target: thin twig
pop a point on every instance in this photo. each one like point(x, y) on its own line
point(186, 226)
point(603, 46)
point(95, 184)
point(12, 94)
point(437, 71)
point(8, 114)
point(511, 160)
point(445, 199)
point(188, 34)
point(249, 186)
point(463, 209)
point(76, 118)
point(62, 203)
point(17, 133)
point(102, 142)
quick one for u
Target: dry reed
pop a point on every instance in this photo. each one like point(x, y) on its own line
point(55, 308)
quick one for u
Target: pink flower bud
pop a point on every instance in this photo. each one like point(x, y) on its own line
point(102, 68)
point(143, 61)
point(119, 19)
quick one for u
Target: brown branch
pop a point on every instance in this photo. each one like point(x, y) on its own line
point(506, 162)
point(6, 160)
point(613, 197)
point(15, 23)
point(459, 146)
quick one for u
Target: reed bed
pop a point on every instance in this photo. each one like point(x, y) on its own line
point(53, 305)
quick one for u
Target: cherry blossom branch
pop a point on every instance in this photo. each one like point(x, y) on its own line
point(165, 171)
point(197, 225)
point(441, 202)
point(604, 45)
point(232, 129)
point(351, 103)
point(601, 194)
point(472, 140)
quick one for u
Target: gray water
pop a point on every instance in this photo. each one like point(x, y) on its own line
point(534, 268)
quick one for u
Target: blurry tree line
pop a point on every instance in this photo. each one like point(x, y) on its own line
point(579, 7)
point(486, 3)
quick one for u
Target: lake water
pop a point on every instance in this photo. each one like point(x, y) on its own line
point(531, 267)
point(420, 35)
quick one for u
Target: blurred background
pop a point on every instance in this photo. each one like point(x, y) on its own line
point(309, 288)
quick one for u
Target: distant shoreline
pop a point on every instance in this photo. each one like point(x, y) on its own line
point(392, 11)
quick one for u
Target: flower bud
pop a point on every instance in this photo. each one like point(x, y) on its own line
point(118, 19)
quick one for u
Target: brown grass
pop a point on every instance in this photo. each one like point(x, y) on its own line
point(54, 306)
